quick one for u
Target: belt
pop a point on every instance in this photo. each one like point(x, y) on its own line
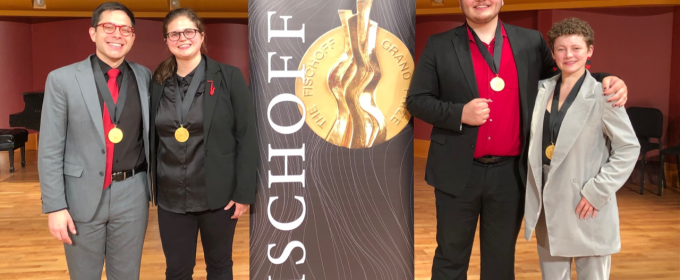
point(493, 159)
point(122, 175)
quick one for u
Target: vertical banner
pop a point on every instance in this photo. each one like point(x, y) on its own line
point(335, 178)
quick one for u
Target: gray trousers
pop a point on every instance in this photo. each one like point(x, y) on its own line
point(115, 234)
point(559, 268)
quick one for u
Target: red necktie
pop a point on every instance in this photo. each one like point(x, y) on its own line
point(108, 125)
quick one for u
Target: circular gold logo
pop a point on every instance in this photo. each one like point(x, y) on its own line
point(356, 81)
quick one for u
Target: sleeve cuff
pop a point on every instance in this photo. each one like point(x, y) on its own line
point(595, 198)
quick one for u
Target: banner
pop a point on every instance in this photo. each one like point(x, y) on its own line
point(335, 178)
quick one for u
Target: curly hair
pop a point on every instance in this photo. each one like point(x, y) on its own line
point(571, 26)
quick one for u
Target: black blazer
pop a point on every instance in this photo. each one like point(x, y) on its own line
point(231, 150)
point(444, 81)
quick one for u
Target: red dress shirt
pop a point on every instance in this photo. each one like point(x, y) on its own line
point(500, 135)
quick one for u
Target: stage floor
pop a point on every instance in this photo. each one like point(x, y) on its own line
point(650, 234)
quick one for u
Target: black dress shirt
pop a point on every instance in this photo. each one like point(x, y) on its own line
point(181, 174)
point(129, 153)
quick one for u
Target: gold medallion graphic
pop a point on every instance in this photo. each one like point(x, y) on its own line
point(356, 81)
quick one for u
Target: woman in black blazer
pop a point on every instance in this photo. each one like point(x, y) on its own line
point(204, 150)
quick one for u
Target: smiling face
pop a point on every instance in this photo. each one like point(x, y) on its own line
point(571, 53)
point(112, 48)
point(481, 11)
point(183, 47)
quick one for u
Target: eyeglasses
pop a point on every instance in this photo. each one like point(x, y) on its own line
point(109, 28)
point(188, 33)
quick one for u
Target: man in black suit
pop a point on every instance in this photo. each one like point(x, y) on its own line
point(477, 85)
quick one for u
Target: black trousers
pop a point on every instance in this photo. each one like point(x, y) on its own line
point(494, 194)
point(179, 235)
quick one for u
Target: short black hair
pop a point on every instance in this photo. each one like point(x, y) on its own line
point(111, 6)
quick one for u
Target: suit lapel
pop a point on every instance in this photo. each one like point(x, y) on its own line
point(574, 121)
point(461, 44)
point(88, 88)
point(142, 85)
point(519, 51)
point(536, 146)
point(211, 94)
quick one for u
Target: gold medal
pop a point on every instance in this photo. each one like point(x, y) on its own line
point(549, 151)
point(115, 135)
point(181, 134)
point(351, 100)
point(497, 84)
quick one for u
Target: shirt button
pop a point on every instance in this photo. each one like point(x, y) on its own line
point(206, 153)
point(490, 120)
point(489, 138)
point(184, 167)
point(101, 174)
point(472, 147)
point(103, 151)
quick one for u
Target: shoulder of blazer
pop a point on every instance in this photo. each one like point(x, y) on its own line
point(552, 79)
point(215, 66)
point(138, 67)
point(528, 35)
point(71, 68)
point(225, 69)
point(446, 36)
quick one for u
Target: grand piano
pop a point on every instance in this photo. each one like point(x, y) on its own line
point(30, 116)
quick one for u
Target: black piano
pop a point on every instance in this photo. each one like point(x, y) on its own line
point(30, 117)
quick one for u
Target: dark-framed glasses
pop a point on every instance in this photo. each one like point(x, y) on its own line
point(109, 28)
point(188, 33)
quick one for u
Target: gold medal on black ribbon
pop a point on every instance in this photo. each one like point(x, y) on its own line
point(549, 151)
point(115, 108)
point(181, 134)
point(497, 84)
point(183, 104)
point(557, 114)
point(115, 135)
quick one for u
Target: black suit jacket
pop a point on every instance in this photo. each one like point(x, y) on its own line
point(444, 81)
point(230, 142)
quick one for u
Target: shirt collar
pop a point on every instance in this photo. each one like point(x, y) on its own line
point(186, 78)
point(105, 67)
point(189, 76)
point(472, 38)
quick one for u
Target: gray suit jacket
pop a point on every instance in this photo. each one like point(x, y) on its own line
point(595, 153)
point(71, 154)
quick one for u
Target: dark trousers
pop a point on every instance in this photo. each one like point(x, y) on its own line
point(179, 235)
point(495, 194)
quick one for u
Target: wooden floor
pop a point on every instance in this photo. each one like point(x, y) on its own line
point(650, 233)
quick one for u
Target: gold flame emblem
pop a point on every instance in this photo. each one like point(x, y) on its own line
point(356, 80)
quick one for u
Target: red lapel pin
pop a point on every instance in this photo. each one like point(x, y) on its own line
point(212, 88)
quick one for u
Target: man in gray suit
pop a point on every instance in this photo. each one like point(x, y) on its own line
point(93, 159)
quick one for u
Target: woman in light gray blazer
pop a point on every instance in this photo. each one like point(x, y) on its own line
point(581, 152)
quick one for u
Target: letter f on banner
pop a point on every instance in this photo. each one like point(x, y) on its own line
point(285, 33)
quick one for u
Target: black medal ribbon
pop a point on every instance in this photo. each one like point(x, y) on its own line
point(115, 108)
point(495, 61)
point(183, 110)
point(557, 115)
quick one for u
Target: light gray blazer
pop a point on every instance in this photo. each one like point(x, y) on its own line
point(71, 154)
point(595, 153)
